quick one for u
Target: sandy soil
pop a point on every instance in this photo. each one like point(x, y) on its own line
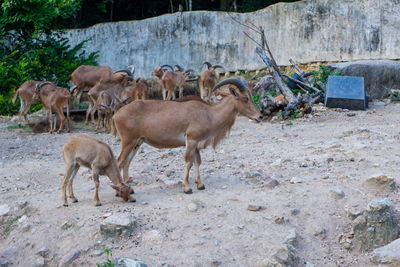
point(329, 151)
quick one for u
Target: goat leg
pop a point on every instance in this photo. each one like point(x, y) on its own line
point(96, 184)
point(197, 160)
point(62, 118)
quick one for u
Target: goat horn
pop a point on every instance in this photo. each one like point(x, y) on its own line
point(178, 67)
point(72, 90)
point(208, 64)
point(117, 97)
point(169, 66)
point(138, 79)
point(43, 84)
point(235, 81)
point(126, 99)
point(218, 66)
point(126, 71)
point(133, 70)
point(188, 71)
point(103, 106)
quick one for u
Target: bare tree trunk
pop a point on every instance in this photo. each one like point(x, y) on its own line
point(111, 10)
point(172, 6)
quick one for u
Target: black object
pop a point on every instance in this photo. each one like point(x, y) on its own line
point(346, 92)
point(291, 84)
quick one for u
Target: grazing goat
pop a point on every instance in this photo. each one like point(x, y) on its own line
point(85, 77)
point(192, 123)
point(97, 156)
point(208, 80)
point(171, 81)
point(25, 93)
point(54, 99)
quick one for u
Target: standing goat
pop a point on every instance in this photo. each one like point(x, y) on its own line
point(192, 123)
point(140, 91)
point(97, 156)
point(54, 99)
point(171, 81)
point(208, 80)
point(25, 93)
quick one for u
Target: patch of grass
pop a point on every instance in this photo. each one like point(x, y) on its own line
point(11, 222)
point(108, 262)
point(256, 100)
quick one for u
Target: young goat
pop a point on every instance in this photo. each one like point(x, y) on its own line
point(25, 93)
point(97, 156)
point(171, 81)
point(54, 99)
point(208, 80)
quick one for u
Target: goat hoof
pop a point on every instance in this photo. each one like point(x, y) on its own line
point(74, 200)
point(129, 180)
point(65, 205)
point(97, 204)
point(201, 187)
point(187, 191)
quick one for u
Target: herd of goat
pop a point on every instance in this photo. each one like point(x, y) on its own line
point(123, 105)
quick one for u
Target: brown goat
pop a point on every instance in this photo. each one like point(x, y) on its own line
point(104, 106)
point(208, 80)
point(85, 77)
point(171, 81)
point(25, 93)
point(97, 156)
point(193, 123)
point(54, 99)
point(140, 91)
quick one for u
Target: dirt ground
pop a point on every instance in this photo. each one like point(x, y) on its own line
point(331, 150)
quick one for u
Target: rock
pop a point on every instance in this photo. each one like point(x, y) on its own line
point(69, 258)
point(66, 225)
point(337, 193)
point(295, 211)
point(106, 215)
point(270, 182)
point(353, 213)
point(97, 252)
point(388, 255)
point(192, 207)
point(380, 76)
point(7, 256)
point(152, 236)
point(271, 263)
point(44, 252)
point(22, 219)
point(4, 210)
point(286, 255)
point(380, 183)
point(127, 262)
point(39, 262)
point(252, 207)
point(376, 227)
point(22, 204)
point(309, 264)
point(320, 233)
point(26, 227)
point(254, 174)
point(351, 114)
point(118, 224)
point(291, 238)
point(295, 180)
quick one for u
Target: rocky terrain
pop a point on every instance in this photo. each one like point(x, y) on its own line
point(316, 191)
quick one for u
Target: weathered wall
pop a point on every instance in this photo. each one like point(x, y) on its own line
point(307, 31)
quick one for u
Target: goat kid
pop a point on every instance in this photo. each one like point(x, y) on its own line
point(193, 123)
point(54, 99)
point(171, 81)
point(208, 79)
point(25, 93)
point(97, 156)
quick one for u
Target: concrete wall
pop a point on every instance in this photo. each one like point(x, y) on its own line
point(307, 31)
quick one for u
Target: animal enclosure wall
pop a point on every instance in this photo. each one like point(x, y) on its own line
point(307, 31)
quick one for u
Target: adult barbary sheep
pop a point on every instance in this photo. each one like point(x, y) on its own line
point(25, 93)
point(97, 156)
point(171, 81)
point(192, 123)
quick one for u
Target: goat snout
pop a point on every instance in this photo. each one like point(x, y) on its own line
point(259, 119)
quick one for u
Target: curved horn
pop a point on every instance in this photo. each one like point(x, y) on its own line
point(188, 71)
point(72, 90)
point(218, 66)
point(169, 66)
point(178, 67)
point(126, 71)
point(43, 84)
point(133, 70)
point(235, 81)
point(208, 64)
point(117, 97)
point(126, 99)
point(103, 106)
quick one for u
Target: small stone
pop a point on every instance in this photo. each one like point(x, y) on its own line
point(252, 207)
point(255, 174)
point(118, 224)
point(192, 207)
point(26, 227)
point(66, 225)
point(309, 264)
point(22, 219)
point(380, 183)
point(388, 255)
point(127, 262)
point(107, 215)
point(348, 246)
point(320, 233)
point(295, 211)
point(68, 259)
point(337, 193)
point(350, 114)
point(295, 180)
point(270, 183)
point(152, 236)
point(4, 210)
point(44, 252)
point(39, 262)
point(353, 213)
point(279, 220)
point(97, 252)
point(22, 204)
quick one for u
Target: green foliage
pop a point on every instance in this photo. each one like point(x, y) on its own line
point(108, 262)
point(320, 77)
point(294, 114)
point(29, 51)
point(256, 99)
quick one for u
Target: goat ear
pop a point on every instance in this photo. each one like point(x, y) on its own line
point(233, 92)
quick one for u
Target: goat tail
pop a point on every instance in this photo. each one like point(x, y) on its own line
point(15, 96)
